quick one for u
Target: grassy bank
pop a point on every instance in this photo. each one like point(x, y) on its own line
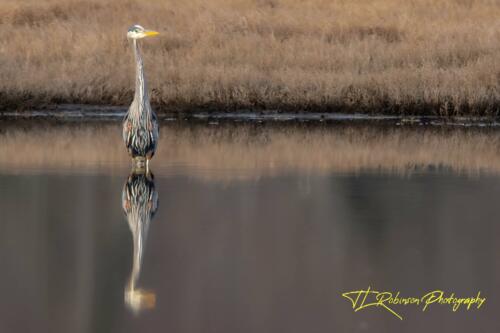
point(422, 56)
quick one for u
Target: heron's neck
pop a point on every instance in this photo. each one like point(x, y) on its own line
point(141, 93)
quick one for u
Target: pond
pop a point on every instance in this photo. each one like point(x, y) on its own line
point(252, 227)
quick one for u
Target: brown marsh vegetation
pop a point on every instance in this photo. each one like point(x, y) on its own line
point(393, 56)
point(234, 152)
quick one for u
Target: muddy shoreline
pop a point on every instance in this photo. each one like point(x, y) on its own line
point(21, 103)
point(109, 113)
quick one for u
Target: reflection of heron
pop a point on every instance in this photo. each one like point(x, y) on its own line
point(139, 202)
point(140, 127)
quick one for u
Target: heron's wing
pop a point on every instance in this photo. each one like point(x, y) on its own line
point(126, 131)
point(154, 130)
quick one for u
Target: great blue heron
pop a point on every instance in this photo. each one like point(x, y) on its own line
point(139, 203)
point(140, 126)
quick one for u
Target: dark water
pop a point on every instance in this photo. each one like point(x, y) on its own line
point(272, 254)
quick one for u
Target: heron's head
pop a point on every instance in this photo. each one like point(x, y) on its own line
point(137, 32)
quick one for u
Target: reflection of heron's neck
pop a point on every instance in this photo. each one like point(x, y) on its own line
point(136, 298)
point(139, 239)
point(141, 94)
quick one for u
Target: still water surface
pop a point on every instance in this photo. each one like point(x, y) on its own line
point(246, 242)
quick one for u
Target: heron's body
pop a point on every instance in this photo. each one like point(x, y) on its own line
point(140, 126)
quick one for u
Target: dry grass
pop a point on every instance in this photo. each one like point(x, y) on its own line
point(421, 56)
point(229, 153)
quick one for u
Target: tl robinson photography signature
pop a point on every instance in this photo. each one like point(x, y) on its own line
point(362, 299)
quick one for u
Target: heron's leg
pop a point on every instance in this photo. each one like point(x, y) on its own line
point(139, 163)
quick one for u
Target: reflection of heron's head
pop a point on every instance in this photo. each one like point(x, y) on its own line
point(139, 299)
point(136, 32)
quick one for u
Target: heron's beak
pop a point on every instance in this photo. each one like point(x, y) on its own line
point(151, 33)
